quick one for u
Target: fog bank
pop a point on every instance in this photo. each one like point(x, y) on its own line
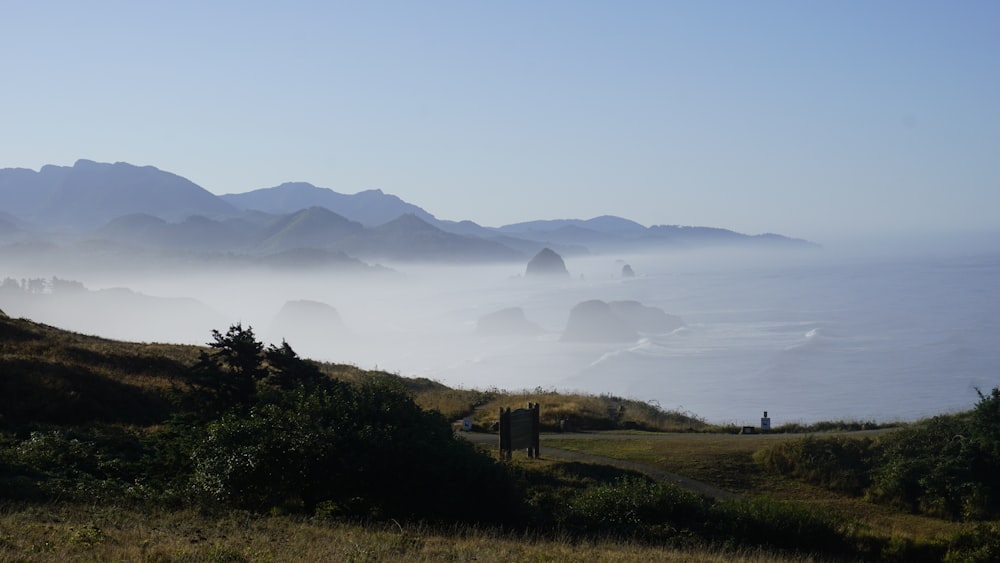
point(828, 334)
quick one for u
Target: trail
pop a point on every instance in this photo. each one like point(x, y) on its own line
point(656, 473)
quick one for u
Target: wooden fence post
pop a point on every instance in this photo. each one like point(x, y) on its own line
point(535, 430)
point(505, 449)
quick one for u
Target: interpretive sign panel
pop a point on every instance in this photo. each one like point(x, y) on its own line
point(519, 429)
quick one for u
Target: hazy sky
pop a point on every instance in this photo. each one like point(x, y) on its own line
point(804, 118)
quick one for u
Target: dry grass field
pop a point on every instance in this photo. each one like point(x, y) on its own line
point(60, 533)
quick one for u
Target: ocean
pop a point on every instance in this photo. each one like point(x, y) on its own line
point(807, 339)
point(807, 336)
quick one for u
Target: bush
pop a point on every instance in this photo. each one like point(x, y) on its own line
point(947, 466)
point(634, 506)
point(638, 508)
point(365, 451)
point(782, 525)
point(838, 462)
point(93, 465)
point(928, 468)
point(981, 543)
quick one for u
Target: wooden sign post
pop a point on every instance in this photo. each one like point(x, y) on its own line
point(519, 429)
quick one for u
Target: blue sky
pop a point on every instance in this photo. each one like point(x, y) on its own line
point(811, 119)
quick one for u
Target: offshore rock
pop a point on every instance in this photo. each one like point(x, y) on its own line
point(596, 321)
point(650, 320)
point(546, 264)
point(507, 322)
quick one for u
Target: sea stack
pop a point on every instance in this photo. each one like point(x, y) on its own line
point(306, 323)
point(617, 321)
point(546, 264)
point(507, 322)
point(596, 321)
point(647, 320)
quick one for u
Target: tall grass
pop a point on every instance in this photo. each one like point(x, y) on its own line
point(59, 533)
point(579, 411)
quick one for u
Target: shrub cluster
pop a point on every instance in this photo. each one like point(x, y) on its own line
point(946, 466)
point(261, 428)
point(637, 507)
point(838, 463)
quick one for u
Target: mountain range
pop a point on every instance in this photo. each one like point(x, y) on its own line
point(147, 207)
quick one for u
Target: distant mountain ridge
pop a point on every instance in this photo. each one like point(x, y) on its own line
point(370, 208)
point(314, 227)
point(142, 205)
point(89, 194)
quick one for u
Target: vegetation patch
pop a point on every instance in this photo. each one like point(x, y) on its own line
point(947, 466)
point(238, 451)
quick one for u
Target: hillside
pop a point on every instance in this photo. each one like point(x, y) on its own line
point(314, 227)
point(51, 375)
point(55, 376)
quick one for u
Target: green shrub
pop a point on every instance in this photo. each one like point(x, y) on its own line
point(93, 465)
point(981, 543)
point(839, 463)
point(947, 466)
point(775, 524)
point(365, 450)
point(927, 468)
point(638, 508)
point(635, 506)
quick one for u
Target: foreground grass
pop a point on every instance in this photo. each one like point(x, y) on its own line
point(63, 532)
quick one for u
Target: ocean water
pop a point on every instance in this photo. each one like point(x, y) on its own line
point(807, 337)
point(806, 340)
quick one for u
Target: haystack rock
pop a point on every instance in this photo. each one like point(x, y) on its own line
point(650, 320)
point(507, 322)
point(627, 271)
point(596, 321)
point(546, 264)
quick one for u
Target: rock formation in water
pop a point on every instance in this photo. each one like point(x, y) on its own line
point(649, 320)
point(546, 264)
point(618, 321)
point(307, 324)
point(596, 321)
point(627, 271)
point(507, 322)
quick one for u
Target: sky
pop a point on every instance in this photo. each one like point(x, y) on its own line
point(809, 119)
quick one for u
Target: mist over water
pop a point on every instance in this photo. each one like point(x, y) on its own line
point(806, 336)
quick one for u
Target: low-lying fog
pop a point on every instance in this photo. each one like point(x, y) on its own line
point(807, 336)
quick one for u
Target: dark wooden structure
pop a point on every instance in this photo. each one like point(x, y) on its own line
point(519, 429)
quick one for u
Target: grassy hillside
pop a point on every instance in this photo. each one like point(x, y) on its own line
point(56, 376)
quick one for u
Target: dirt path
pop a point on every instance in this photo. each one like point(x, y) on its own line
point(658, 474)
